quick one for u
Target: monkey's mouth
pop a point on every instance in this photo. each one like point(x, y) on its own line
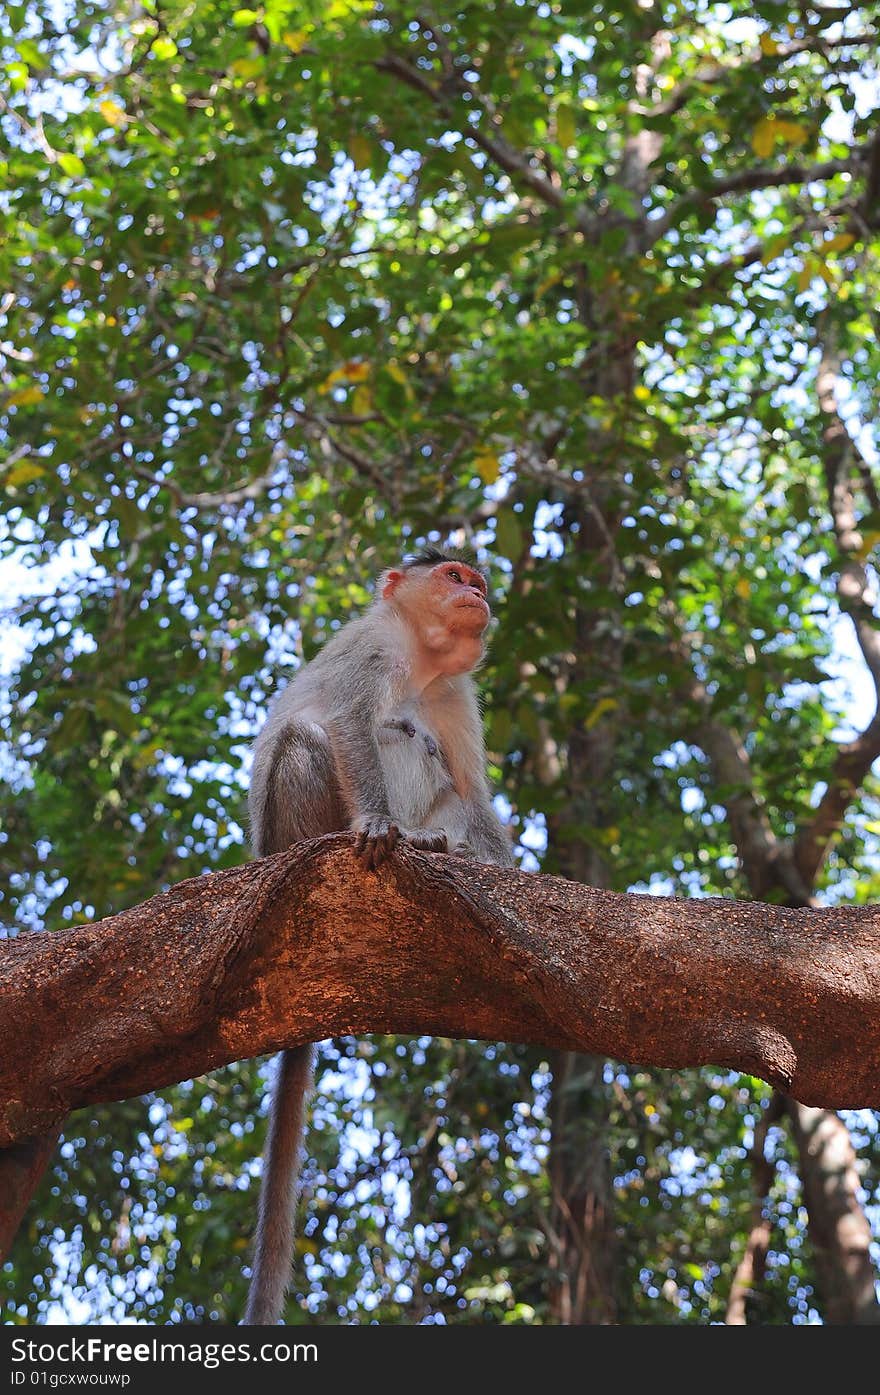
point(470, 603)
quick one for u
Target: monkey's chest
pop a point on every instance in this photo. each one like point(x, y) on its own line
point(415, 769)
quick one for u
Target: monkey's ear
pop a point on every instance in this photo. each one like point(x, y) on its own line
point(390, 582)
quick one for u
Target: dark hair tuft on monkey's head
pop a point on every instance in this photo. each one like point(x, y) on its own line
point(433, 556)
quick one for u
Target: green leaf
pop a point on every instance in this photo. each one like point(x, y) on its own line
point(509, 533)
point(71, 164)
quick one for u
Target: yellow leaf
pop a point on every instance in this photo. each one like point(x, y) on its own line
point(565, 125)
point(545, 285)
point(112, 114)
point(354, 371)
point(396, 372)
point(25, 397)
point(804, 276)
point(487, 464)
point(361, 151)
point(792, 132)
point(839, 243)
point(603, 706)
point(641, 393)
point(295, 39)
point(164, 48)
point(763, 137)
point(247, 67)
point(869, 544)
point(362, 401)
point(773, 246)
point(24, 473)
point(768, 46)
point(743, 588)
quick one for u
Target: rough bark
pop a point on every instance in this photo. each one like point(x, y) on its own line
point(305, 944)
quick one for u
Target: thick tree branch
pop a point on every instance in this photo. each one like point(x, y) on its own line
point(305, 945)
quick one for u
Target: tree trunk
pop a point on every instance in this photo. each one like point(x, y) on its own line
point(582, 1231)
point(836, 1220)
point(582, 1218)
point(581, 1228)
point(21, 1169)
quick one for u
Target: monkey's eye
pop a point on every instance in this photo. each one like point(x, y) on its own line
point(454, 576)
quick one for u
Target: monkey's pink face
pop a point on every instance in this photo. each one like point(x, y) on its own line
point(457, 593)
point(451, 595)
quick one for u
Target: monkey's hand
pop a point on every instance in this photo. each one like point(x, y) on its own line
point(463, 849)
point(376, 839)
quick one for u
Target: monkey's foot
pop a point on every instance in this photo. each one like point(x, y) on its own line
point(376, 840)
point(428, 839)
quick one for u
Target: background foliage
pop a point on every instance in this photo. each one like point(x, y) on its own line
point(291, 289)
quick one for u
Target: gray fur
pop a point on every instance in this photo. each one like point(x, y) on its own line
point(350, 744)
point(279, 1193)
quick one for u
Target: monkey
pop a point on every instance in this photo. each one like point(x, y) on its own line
point(379, 734)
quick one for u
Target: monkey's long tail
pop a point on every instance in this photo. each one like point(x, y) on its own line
point(273, 1253)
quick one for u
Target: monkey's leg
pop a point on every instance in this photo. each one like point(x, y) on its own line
point(302, 798)
point(273, 1252)
point(486, 837)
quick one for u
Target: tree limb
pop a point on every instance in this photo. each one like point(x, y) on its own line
point(507, 157)
point(720, 72)
point(767, 863)
point(750, 179)
point(304, 945)
point(21, 1171)
point(857, 599)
